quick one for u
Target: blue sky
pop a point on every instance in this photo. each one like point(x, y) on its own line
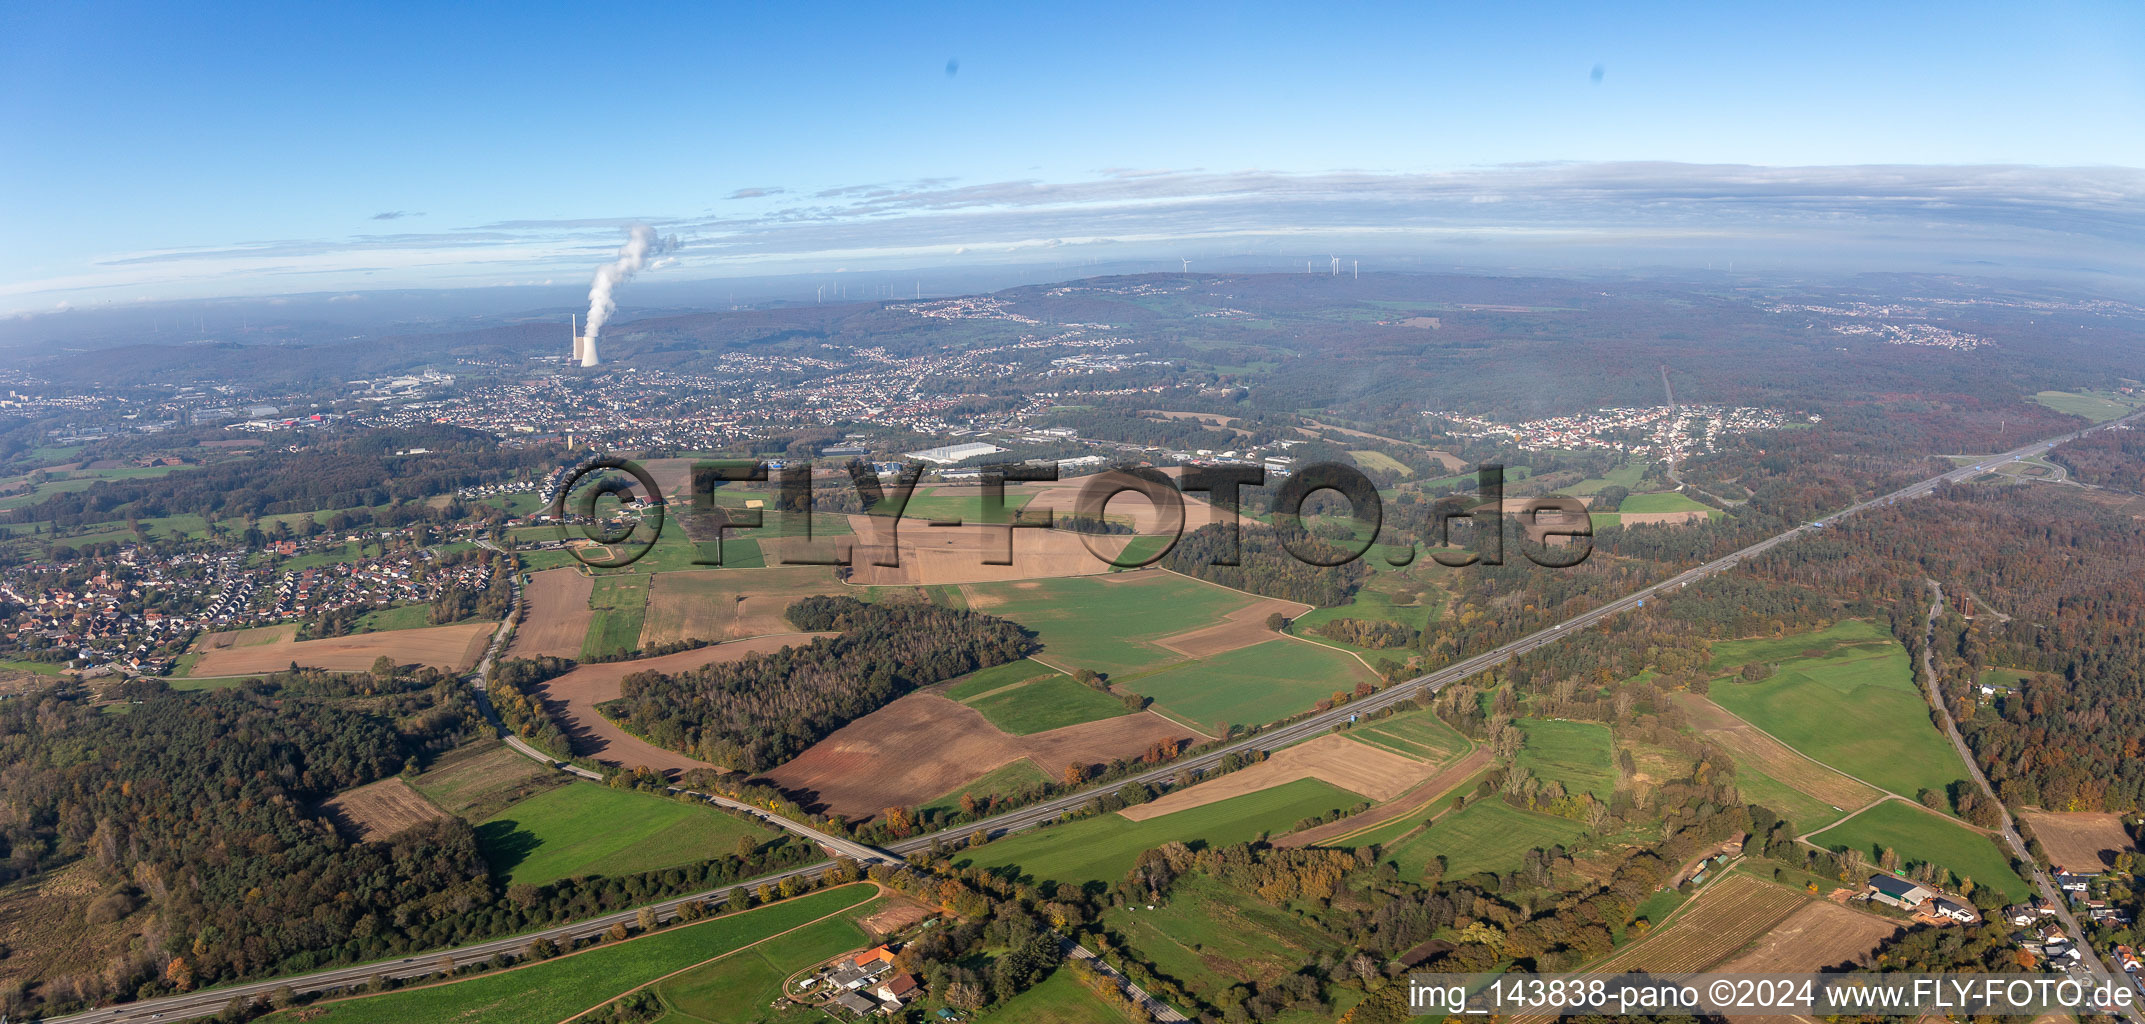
point(155, 151)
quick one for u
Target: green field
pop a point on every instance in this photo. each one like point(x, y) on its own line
point(1665, 501)
point(401, 616)
point(1626, 476)
point(1828, 678)
point(554, 990)
point(1052, 702)
point(947, 504)
point(1380, 460)
point(1380, 600)
point(1100, 622)
point(1418, 734)
point(2098, 406)
point(997, 677)
point(1104, 847)
point(1806, 811)
point(1486, 835)
point(590, 829)
point(620, 603)
point(2006, 678)
point(1921, 837)
point(1581, 755)
point(1211, 936)
point(1059, 999)
point(739, 988)
point(1251, 685)
point(1006, 780)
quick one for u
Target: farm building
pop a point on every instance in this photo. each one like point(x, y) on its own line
point(1955, 910)
point(1897, 891)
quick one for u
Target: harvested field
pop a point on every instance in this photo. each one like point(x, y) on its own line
point(926, 554)
point(1713, 927)
point(1415, 802)
point(1365, 770)
point(257, 637)
point(922, 746)
point(1773, 757)
point(571, 699)
point(2085, 842)
point(555, 615)
point(728, 604)
point(1240, 628)
point(1661, 518)
point(1818, 936)
point(378, 810)
point(477, 780)
point(447, 647)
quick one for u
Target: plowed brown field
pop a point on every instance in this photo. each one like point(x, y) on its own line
point(728, 604)
point(955, 554)
point(2082, 841)
point(555, 615)
point(924, 746)
point(1818, 936)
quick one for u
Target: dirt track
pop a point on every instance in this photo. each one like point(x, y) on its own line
point(571, 700)
point(1357, 767)
point(924, 746)
point(556, 616)
point(447, 647)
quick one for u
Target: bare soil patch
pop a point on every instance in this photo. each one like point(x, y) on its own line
point(728, 604)
point(1240, 628)
point(378, 810)
point(555, 615)
point(1818, 936)
point(571, 700)
point(1773, 757)
point(899, 913)
point(927, 554)
point(2082, 841)
point(453, 648)
point(255, 637)
point(1356, 767)
point(1415, 801)
point(924, 746)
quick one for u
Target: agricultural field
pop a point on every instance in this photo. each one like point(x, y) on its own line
point(477, 780)
point(1581, 755)
point(1104, 847)
point(571, 699)
point(1116, 625)
point(949, 503)
point(1211, 936)
point(379, 810)
point(745, 986)
point(619, 602)
point(555, 615)
point(589, 829)
point(445, 647)
point(1486, 835)
point(1664, 501)
point(1820, 935)
point(1387, 823)
point(1369, 772)
point(555, 990)
point(997, 677)
point(1922, 837)
point(1718, 922)
point(1389, 596)
point(1007, 780)
point(1419, 734)
point(728, 604)
point(2098, 406)
point(1040, 705)
point(1894, 745)
point(1626, 476)
point(1770, 772)
point(1380, 460)
point(2085, 842)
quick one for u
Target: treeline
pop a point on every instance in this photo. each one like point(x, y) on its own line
point(753, 714)
point(1267, 568)
point(2108, 458)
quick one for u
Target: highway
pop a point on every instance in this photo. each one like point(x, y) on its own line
point(208, 1002)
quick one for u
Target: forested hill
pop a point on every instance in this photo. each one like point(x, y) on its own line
point(754, 714)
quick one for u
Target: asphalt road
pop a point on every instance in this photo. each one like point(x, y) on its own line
point(209, 1002)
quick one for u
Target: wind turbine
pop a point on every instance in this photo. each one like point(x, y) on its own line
point(1187, 266)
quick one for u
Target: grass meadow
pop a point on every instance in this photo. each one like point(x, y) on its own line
point(590, 829)
point(1921, 837)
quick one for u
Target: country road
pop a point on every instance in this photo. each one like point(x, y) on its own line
point(194, 1004)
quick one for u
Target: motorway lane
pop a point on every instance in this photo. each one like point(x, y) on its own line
point(195, 1004)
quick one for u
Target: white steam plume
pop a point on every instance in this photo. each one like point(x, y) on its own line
point(641, 243)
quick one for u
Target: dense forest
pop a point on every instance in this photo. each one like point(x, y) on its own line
point(753, 714)
point(1266, 564)
point(2107, 458)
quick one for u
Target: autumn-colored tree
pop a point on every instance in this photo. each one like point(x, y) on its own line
point(180, 974)
point(617, 932)
point(1075, 774)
